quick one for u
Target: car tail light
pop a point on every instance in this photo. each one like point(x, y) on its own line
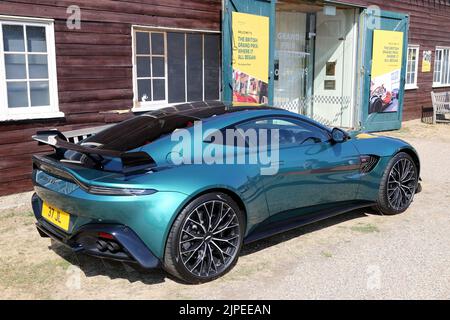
point(105, 235)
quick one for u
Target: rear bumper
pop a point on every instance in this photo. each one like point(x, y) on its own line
point(87, 240)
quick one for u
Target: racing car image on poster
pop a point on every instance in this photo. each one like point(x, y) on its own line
point(247, 89)
point(384, 91)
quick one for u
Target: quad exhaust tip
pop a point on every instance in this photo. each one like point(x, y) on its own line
point(105, 245)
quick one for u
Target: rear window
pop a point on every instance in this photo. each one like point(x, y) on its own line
point(138, 131)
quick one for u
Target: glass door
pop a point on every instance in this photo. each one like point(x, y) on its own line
point(335, 71)
point(315, 61)
point(294, 52)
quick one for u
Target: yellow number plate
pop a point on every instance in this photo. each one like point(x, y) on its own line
point(56, 216)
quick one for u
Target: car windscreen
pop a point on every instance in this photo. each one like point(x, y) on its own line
point(138, 131)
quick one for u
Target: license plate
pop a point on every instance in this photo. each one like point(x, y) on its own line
point(57, 217)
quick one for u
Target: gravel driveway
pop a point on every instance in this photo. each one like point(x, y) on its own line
point(360, 255)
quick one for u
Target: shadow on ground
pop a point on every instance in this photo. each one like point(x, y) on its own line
point(93, 267)
point(314, 227)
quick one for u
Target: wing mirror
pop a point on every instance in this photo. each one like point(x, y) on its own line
point(339, 135)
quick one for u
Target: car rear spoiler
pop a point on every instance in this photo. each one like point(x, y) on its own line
point(131, 161)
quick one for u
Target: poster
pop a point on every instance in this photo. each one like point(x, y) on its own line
point(426, 61)
point(250, 58)
point(387, 60)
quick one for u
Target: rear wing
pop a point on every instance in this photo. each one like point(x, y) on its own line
point(131, 161)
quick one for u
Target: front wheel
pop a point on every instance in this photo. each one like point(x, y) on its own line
point(398, 185)
point(205, 239)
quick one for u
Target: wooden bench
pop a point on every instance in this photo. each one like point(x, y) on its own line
point(76, 136)
point(441, 106)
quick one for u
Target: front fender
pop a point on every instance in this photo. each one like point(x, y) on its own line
point(385, 148)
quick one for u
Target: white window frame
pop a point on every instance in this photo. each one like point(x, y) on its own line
point(149, 105)
point(139, 106)
point(38, 112)
point(412, 86)
point(441, 70)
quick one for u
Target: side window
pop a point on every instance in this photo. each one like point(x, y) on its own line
point(291, 132)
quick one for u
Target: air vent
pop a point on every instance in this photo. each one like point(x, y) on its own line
point(368, 163)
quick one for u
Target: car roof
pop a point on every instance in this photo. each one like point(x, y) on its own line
point(204, 109)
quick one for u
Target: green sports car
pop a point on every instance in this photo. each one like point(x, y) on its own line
point(184, 187)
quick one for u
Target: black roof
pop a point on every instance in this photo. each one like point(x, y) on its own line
point(202, 109)
point(148, 127)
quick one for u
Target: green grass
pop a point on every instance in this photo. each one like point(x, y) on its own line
point(326, 254)
point(244, 271)
point(11, 214)
point(40, 274)
point(365, 228)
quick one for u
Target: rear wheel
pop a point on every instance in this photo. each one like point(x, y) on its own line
point(205, 239)
point(398, 185)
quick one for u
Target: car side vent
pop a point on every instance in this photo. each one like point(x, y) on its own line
point(368, 163)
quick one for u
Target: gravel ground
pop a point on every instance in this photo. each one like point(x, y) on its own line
point(360, 255)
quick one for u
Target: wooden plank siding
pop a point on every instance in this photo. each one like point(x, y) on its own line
point(94, 67)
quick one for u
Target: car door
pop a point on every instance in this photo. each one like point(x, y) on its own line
point(313, 170)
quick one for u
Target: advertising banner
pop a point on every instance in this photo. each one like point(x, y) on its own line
point(386, 71)
point(250, 58)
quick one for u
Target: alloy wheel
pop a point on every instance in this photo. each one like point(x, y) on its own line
point(402, 184)
point(209, 239)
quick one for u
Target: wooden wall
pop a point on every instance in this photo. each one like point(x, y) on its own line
point(94, 67)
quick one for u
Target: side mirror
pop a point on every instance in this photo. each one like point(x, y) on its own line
point(339, 135)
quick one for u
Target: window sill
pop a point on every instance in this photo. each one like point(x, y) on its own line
point(411, 88)
point(153, 107)
point(17, 117)
point(441, 85)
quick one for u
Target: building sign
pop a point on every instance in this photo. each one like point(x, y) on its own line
point(250, 58)
point(426, 61)
point(386, 71)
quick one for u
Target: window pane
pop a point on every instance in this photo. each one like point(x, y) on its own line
point(411, 67)
point(39, 93)
point(437, 67)
point(194, 67)
point(142, 43)
point(38, 66)
point(445, 68)
point(158, 67)
point(13, 39)
point(15, 66)
point(159, 89)
point(17, 94)
point(289, 132)
point(212, 66)
point(144, 90)
point(157, 43)
point(143, 67)
point(176, 67)
point(36, 39)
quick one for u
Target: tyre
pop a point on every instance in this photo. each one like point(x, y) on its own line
point(398, 185)
point(376, 104)
point(205, 240)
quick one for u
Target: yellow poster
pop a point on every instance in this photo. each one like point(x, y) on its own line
point(387, 58)
point(250, 58)
point(426, 61)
